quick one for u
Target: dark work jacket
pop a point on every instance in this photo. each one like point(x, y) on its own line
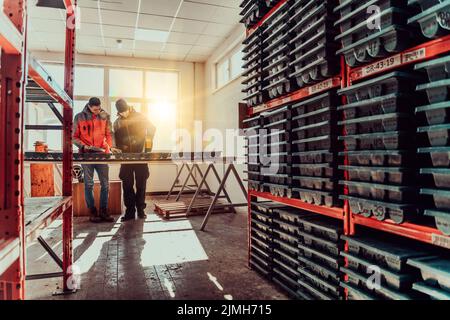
point(131, 133)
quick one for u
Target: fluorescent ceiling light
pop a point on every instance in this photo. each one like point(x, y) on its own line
point(151, 35)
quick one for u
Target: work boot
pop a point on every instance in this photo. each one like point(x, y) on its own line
point(94, 217)
point(104, 215)
point(141, 214)
point(128, 216)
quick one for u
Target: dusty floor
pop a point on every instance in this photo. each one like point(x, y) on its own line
point(155, 259)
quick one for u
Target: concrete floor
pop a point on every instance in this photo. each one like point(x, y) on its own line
point(155, 259)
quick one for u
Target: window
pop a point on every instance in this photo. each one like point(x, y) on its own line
point(155, 93)
point(229, 68)
point(236, 63)
point(163, 116)
point(89, 81)
point(161, 85)
point(126, 83)
point(223, 74)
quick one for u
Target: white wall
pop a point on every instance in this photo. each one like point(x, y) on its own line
point(221, 105)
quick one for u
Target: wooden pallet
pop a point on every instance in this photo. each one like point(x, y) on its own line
point(168, 209)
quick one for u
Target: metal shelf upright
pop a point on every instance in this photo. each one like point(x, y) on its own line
point(22, 220)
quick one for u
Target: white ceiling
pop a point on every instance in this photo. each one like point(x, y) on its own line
point(196, 27)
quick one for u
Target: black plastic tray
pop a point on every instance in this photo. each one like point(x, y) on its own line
point(331, 248)
point(437, 91)
point(331, 276)
point(381, 210)
point(314, 183)
point(441, 176)
point(381, 192)
point(394, 140)
point(380, 290)
point(354, 12)
point(386, 18)
point(391, 279)
point(434, 22)
point(442, 220)
point(332, 263)
point(379, 158)
point(388, 254)
point(286, 248)
point(314, 144)
point(437, 69)
point(287, 237)
point(322, 101)
point(314, 157)
point(390, 83)
point(287, 257)
point(313, 117)
point(441, 198)
point(291, 215)
point(381, 175)
point(355, 293)
point(439, 156)
point(319, 198)
point(433, 292)
point(311, 290)
point(324, 286)
point(438, 113)
point(434, 270)
point(322, 227)
point(322, 170)
point(286, 227)
point(378, 123)
point(278, 190)
point(382, 43)
point(267, 207)
point(391, 103)
point(325, 128)
point(436, 135)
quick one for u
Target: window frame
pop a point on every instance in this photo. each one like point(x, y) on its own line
point(227, 57)
point(108, 101)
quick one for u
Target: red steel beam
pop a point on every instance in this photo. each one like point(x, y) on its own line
point(298, 95)
point(67, 143)
point(10, 37)
point(337, 213)
point(12, 102)
point(409, 230)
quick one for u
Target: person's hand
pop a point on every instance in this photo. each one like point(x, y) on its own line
point(93, 149)
point(115, 150)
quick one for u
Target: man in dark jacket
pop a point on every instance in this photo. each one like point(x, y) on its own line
point(93, 134)
point(131, 131)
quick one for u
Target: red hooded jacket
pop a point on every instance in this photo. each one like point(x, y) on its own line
point(92, 130)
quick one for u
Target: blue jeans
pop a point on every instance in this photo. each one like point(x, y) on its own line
point(103, 176)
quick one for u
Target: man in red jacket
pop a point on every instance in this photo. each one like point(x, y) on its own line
point(93, 134)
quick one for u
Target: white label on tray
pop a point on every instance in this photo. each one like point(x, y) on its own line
point(325, 85)
point(259, 108)
point(381, 65)
point(414, 55)
point(441, 241)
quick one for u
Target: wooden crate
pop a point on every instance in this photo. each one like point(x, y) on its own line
point(114, 203)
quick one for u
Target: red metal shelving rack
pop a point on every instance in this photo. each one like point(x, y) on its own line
point(348, 75)
point(416, 54)
point(338, 81)
point(333, 212)
point(15, 229)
